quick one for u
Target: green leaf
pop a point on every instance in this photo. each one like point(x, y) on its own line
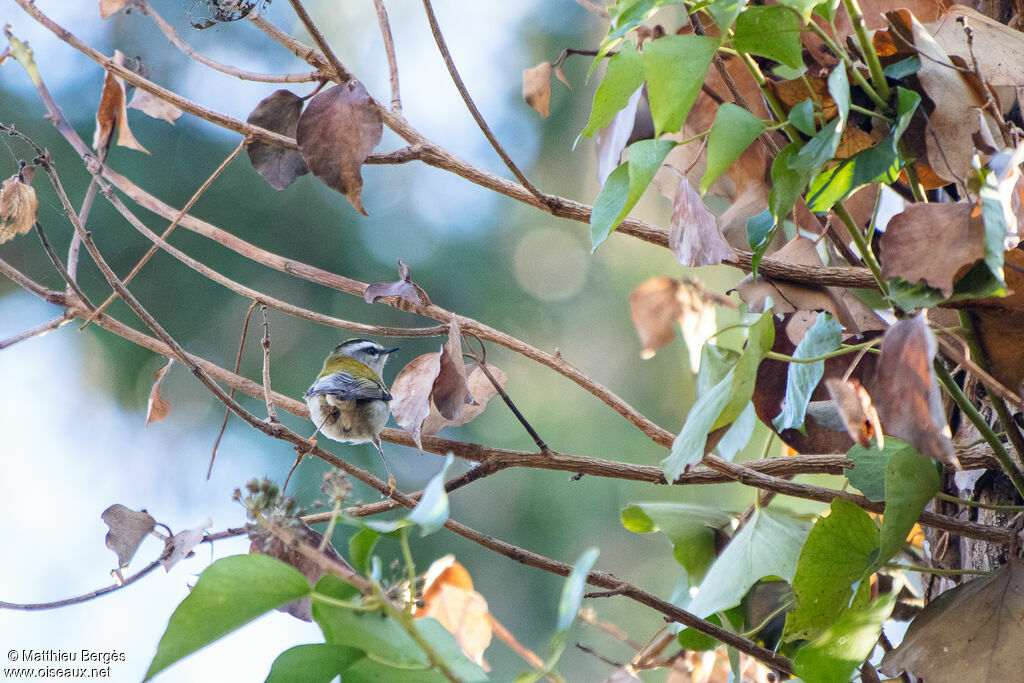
point(739, 433)
point(870, 465)
point(823, 145)
point(804, 7)
point(760, 231)
point(715, 363)
point(787, 184)
point(903, 68)
point(760, 337)
point(802, 116)
point(911, 296)
point(688, 446)
point(768, 545)
point(839, 551)
point(690, 528)
point(911, 480)
point(675, 67)
point(824, 337)
point(624, 16)
point(624, 75)
point(315, 663)
point(572, 591)
point(724, 12)
point(624, 187)
point(692, 639)
point(996, 227)
point(360, 547)
point(731, 133)
point(230, 593)
point(833, 657)
point(772, 32)
point(431, 512)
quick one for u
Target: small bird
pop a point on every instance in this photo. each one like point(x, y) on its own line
point(348, 402)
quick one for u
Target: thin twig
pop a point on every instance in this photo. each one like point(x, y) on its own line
point(37, 331)
point(81, 598)
point(271, 410)
point(173, 39)
point(238, 364)
point(340, 73)
point(477, 116)
point(83, 218)
point(170, 228)
point(55, 260)
point(389, 50)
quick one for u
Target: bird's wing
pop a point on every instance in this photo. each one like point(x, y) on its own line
point(346, 387)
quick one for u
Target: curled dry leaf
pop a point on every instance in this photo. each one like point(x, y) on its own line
point(18, 205)
point(788, 297)
point(658, 304)
point(693, 234)
point(108, 8)
point(265, 543)
point(932, 242)
point(999, 325)
point(410, 392)
point(336, 132)
point(906, 393)
point(158, 407)
point(856, 410)
point(404, 288)
point(113, 113)
point(482, 391)
point(180, 545)
point(153, 106)
point(450, 391)
point(448, 596)
point(127, 530)
point(537, 87)
point(970, 633)
point(279, 113)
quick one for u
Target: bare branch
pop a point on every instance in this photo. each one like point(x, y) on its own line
point(389, 50)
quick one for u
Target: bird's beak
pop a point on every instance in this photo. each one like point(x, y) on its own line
point(389, 351)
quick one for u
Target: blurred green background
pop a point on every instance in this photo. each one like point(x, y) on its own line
point(476, 253)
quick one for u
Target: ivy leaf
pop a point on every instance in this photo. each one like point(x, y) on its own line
point(760, 231)
point(675, 67)
point(688, 446)
point(768, 545)
point(315, 662)
point(824, 337)
point(870, 466)
point(822, 146)
point(230, 593)
point(911, 480)
point(624, 76)
point(772, 32)
point(732, 132)
point(572, 591)
point(833, 657)
point(625, 186)
point(724, 12)
point(839, 550)
point(787, 185)
point(802, 116)
point(760, 338)
point(804, 7)
point(692, 529)
point(738, 434)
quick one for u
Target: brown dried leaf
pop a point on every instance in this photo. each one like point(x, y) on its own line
point(113, 113)
point(693, 234)
point(662, 301)
point(266, 543)
point(448, 596)
point(855, 407)
point(158, 407)
point(336, 132)
point(153, 106)
point(999, 324)
point(560, 75)
point(128, 528)
point(970, 633)
point(403, 288)
point(450, 391)
point(999, 49)
point(481, 389)
point(180, 545)
point(793, 92)
point(932, 242)
point(906, 393)
point(787, 297)
point(279, 113)
point(110, 7)
point(537, 87)
point(18, 205)
point(410, 402)
point(611, 140)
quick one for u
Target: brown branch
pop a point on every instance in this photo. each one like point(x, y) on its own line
point(471, 105)
point(37, 331)
point(265, 342)
point(81, 598)
point(341, 75)
point(173, 39)
point(227, 411)
point(389, 50)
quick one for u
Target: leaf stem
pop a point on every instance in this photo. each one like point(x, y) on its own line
point(863, 247)
point(986, 431)
point(406, 621)
point(774, 355)
point(974, 504)
point(867, 49)
point(410, 568)
point(858, 77)
point(932, 570)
